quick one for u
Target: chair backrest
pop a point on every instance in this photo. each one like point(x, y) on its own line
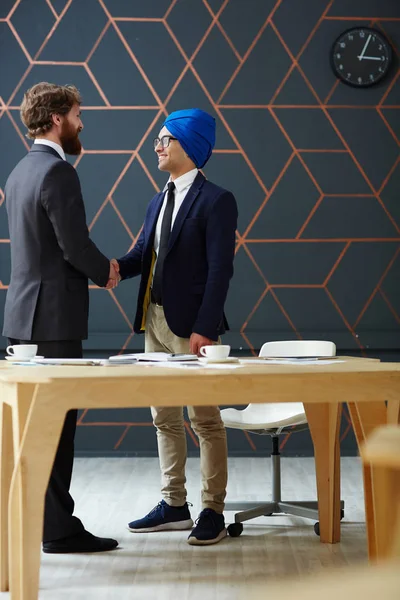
point(298, 349)
point(282, 412)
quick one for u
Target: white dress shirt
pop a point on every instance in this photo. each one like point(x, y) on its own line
point(53, 145)
point(182, 185)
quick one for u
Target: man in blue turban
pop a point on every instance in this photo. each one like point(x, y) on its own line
point(195, 131)
point(184, 256)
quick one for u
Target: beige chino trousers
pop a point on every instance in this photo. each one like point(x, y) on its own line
point(206, 422)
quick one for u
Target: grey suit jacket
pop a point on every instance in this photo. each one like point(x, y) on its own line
point(52, 256)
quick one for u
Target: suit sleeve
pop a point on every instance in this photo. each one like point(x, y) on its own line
point(130, 265)
point(61, 197)
point(220, 248)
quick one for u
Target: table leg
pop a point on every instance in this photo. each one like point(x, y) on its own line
point(6, 469)
point(324, 423)
point(365, 417)
point(27, 494)
point(15, 403)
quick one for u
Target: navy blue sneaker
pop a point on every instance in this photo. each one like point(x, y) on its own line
point(210, 528)
point(163, 518)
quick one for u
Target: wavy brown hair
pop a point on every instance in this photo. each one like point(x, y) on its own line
point(44, 100)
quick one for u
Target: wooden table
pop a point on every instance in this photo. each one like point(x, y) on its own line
point(41, 396)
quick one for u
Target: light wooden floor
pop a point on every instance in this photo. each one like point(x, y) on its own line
point(162, 566)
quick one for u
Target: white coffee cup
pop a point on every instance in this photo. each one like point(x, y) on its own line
point(26, 351)
point(215, 351)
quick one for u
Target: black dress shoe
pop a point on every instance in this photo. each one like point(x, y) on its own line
point(81, 542)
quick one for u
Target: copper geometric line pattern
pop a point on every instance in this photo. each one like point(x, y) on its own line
point(9, 109)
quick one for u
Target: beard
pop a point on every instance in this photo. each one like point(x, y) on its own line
point(69, 138)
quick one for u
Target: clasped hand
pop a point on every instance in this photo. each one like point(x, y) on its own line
point(114, 277)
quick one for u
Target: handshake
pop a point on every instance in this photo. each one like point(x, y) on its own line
point(114, 277)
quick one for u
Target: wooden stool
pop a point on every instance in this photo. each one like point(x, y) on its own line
point(382, 452)
point(364, 583)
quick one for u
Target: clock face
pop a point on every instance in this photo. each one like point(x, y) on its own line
point(361, 56)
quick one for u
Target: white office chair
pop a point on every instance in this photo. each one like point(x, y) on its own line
point(274, 420)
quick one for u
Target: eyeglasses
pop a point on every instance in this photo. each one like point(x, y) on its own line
point(164, 141)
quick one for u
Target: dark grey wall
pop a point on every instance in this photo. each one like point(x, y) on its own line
point(314, 164)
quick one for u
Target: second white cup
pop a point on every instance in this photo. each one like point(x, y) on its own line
point(215, 351)
point(23, 350)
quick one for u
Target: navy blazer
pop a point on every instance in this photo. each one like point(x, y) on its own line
point(198, 264)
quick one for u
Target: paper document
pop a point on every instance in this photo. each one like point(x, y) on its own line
point(191, 365)
point(153, 357)
point(68, 361)
point(297, 358)
point(85, 362)
point(120, 359)
point(288, 361)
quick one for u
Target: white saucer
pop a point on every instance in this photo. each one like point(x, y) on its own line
point(24, 360)
point(208, 361)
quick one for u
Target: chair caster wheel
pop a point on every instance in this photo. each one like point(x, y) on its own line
point(316, 525)
point(235, 529)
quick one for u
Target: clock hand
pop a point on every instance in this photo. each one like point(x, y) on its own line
point(365, 47)
point(369, 58)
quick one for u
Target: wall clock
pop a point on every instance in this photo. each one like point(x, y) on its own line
point(361, 56)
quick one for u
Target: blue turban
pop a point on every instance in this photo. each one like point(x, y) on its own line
point(195, 131)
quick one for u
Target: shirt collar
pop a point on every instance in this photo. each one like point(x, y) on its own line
point(184, 181)
point(52, 144)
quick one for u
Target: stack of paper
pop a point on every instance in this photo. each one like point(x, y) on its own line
point(120, 359)
point(152, 357)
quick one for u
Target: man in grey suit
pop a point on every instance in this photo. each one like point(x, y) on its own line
point(52, 258)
